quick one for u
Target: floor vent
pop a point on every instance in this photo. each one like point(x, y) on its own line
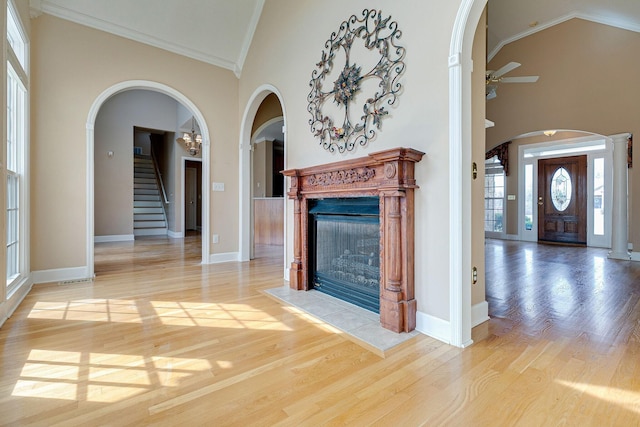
point(71, 282)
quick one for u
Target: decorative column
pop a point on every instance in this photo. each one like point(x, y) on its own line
point(620, 229)
point(296, 273)
point(398, 306)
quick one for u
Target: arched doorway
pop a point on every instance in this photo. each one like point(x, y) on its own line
point(460, 144)
point(247, 131)
point(90, 173)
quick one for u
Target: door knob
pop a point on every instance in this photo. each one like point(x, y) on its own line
point(540, 203)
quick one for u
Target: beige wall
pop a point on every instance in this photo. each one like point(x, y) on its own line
point(269, 109)
point(71, 66)
point(588, 82)
point(259, 168)
point(113, 182)
point(285, 55)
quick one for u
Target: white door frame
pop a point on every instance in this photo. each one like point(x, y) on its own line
point(575, 143)
point(460, 131)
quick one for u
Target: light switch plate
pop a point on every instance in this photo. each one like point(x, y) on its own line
point(511, 196)
point(218, 186)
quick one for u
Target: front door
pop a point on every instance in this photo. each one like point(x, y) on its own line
point(562, 200)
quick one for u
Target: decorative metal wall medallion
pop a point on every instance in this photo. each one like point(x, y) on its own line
point(376, 86)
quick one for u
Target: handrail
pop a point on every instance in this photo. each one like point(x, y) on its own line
point(159, 177)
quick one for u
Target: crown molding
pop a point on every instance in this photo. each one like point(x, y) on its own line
point(43, 6)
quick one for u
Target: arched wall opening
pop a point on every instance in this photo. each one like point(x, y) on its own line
point(90, 172)
point(460, 147)
point(461, 143)
point(245, 145)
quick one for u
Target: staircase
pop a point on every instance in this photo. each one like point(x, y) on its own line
point(148, 212)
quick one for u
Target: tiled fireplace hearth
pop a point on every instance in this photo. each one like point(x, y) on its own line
point(388, 175)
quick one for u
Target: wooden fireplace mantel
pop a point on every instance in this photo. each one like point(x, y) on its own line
point(388, 175)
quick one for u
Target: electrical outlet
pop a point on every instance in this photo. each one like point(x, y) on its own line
point(218, 186)
point(216, 238)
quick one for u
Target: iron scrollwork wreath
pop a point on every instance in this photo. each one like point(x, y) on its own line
point(377, 33)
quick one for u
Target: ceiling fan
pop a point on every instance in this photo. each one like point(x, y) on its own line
point(495, 77)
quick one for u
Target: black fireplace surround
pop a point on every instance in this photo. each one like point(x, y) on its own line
point(344, 249)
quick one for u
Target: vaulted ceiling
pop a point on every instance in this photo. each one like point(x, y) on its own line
point(510, 20)
point(219, 32)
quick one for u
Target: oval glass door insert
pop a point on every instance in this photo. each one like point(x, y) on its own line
point(561, 189)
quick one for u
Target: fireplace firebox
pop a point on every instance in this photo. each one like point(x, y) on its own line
point(344, 245)
point(385, 177)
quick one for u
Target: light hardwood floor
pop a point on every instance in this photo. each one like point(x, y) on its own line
point(159, 339)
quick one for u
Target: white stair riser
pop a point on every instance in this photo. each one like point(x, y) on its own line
point(144, 186)
point(147, 210)
point(148, 224)
point(144, 181)
point(146, 204)
point(138, 175)
point(148, 217)
point(148, 191)
point(148, 197)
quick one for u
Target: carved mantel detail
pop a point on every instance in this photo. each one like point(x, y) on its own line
point(388, 175)
point(348, 176)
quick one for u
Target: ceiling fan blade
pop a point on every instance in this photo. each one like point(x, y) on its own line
point(504, 70)
point(491, 91)
point(521, 79)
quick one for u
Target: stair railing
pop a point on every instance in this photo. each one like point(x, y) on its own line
point(159, 177)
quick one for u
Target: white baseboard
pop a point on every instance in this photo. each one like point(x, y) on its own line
point(287, 273)
point(224, 257)
point(433, 327)
point(635, 256)
point(114, 238)
point(511, 237)
point(479, 313)
point(623, 256)
point(60, 275)
point(175, 234)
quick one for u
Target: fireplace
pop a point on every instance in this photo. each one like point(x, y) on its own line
point(344, 249)
point(385, 179)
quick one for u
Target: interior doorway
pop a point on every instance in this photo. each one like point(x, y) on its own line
point(97, 150)
point(267, 183)
point(192, 205)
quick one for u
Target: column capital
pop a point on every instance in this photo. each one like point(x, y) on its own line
point(620, 138)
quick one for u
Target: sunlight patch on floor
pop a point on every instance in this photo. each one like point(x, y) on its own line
point(627, 399)
point(102, 377)
point(172, 313)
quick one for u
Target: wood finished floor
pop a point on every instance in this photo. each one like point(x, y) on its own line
point(159, 339)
